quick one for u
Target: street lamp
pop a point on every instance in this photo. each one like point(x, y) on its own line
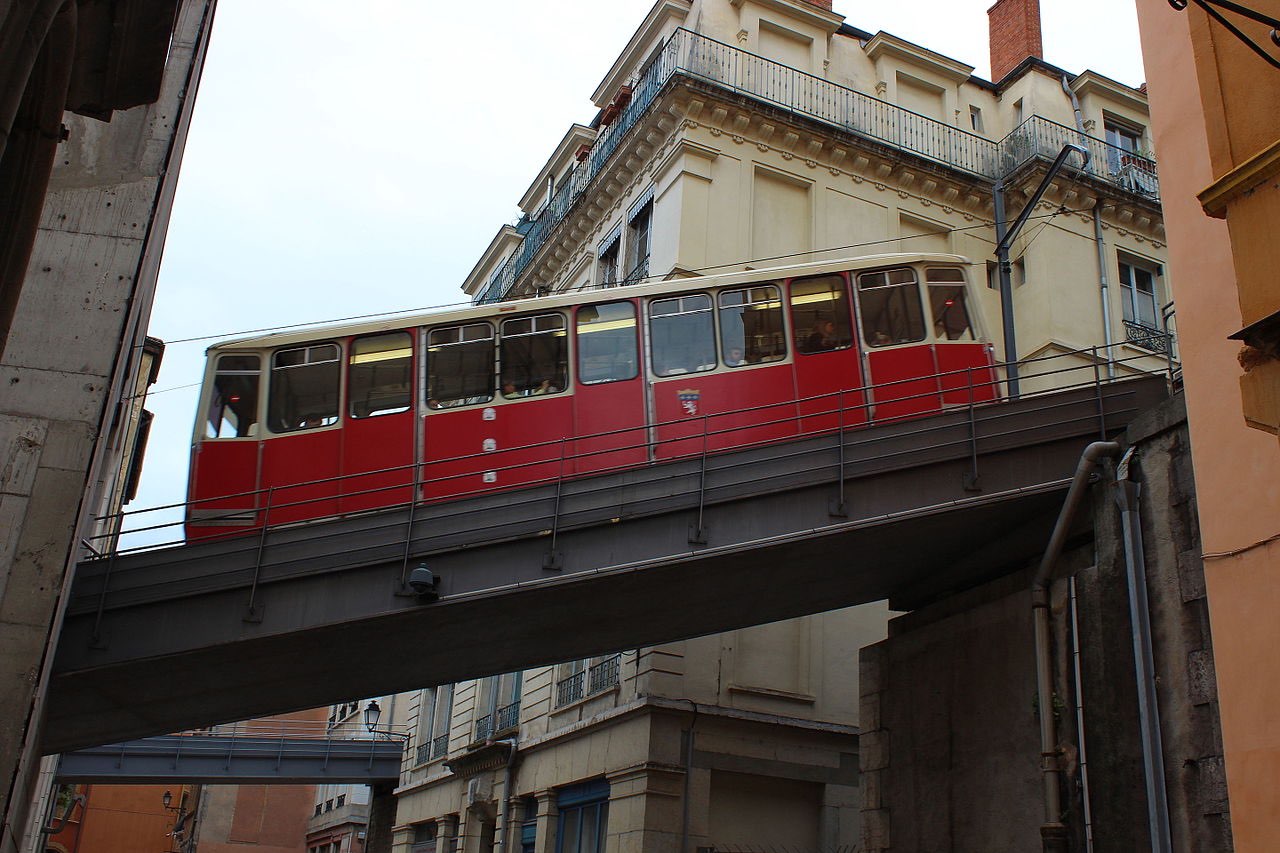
point(373, 713)
point(179, 830)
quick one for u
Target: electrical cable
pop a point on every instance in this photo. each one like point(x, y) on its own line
point(646, 279)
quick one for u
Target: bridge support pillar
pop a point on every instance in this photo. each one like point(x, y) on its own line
point(382, 818)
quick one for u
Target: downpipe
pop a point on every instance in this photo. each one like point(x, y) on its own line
point(1053, 833)
point(504, 805)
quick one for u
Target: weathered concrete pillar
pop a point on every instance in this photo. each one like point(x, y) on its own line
point(382, 819)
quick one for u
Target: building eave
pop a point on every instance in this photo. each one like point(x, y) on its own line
point(887, 44)
point(562, 156)
point(1091, 82)
point(824, 19)
point(663, 14)
point(502, 244)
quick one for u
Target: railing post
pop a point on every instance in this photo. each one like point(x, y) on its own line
point(838, 508)
point(96, 640)
point(972, 481)
point(253, 612)
point(408, 533)
point(1097, 384)
point(551, 561)
point(698, 533)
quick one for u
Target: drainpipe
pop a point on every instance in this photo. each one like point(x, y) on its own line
point(1127, 492)
point(688, 779)
point(1053, 833)
point(504, 805)
point(1097, 239)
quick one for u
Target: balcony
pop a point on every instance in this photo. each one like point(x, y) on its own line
point(603, 675)
point(695, 57)
point(439, 746)
point(1148, 337)
point(570, 689)
point(500, 720)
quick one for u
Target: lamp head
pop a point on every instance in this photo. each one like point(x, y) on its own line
point(371, 715)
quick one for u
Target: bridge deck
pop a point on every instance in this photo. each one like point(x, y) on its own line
point(640, 557)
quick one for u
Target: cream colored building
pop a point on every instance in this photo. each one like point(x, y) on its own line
point(737, 134)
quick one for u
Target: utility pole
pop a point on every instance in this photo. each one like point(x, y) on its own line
point(1005, 235)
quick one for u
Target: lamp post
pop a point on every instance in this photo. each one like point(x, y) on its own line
point(373, 713)
point(179, 829)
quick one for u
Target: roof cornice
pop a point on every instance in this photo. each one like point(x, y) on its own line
point(887, 44)
point(823, 19)
point(578, 134)
point(506, 239)
point(1092, 82)
point(660, 16)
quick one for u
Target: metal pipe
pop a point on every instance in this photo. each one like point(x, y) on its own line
point(1079, 679)
point(688, 779)
point(1053, 834)
point(1102, 284)
point(1127, 492)
point(504, 804)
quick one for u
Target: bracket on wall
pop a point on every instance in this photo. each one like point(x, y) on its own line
point(1244, 12)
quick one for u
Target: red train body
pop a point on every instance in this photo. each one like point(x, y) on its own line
point(344, 419)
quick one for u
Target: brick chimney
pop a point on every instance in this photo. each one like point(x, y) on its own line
point(821, 4)
point(1015, 34)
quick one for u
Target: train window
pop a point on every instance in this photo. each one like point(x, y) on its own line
point(947, 305)
point(751, 326)
point(607, 342)
point(535, 358)
point(380, 381)
point(233, 406)
point(304, 388)
point(683, 335)
point(820, 314)
point(459, 365)
point(890, 303)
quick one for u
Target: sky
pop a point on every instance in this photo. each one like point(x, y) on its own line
point(348, 159)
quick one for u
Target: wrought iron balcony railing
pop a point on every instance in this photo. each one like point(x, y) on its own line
point(1147, 337)
point(507, 717)
point(439, 746)
point(423, 754)
point(697, 57)
point(603, 675)
point(570, 688)
point(484, 727)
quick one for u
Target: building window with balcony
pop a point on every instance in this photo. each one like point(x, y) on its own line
point(608, 258)
point(498, 709)
point(1140, 303)
point(639, 237)
point(424, 838)
point(433, 726)
point(582, 678)
point(584, 817)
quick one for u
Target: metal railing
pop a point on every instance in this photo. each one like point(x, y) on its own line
point(440, 746)
point(696, 57)
point(424, 753)
point(570, 688)
point(507, 717)
point(1148, 337)
point(484, 727)
point(604, 674)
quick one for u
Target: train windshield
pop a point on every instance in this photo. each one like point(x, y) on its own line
point(233, 406)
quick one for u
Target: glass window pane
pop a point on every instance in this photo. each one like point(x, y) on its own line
point(682, 334)
point(820, 314)
point(460, 366)
point(950, 316)
point(607, 342)
point(570, 834)
point(535, 356)
point(751, 326)
point(233, 404)
point(891, 312)
point(381, 377)
point(304, 388)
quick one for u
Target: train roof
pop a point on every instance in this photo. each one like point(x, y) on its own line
point(571, 298)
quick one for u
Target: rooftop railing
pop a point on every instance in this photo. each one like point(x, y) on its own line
point(697, 57)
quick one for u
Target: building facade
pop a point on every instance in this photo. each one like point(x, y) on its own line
point(1212, 97)
point(740, 134)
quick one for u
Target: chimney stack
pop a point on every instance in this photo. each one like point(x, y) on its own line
point(821, 4)
point(1015, 34)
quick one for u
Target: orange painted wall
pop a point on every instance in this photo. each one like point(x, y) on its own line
point(125, 819)
point(1237, 468)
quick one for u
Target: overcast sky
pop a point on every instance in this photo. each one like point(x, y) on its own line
point(354, 158)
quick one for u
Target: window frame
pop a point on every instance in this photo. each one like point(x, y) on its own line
point(1129, 289)
point(682, 311)
point(428, 359)
point(351, 356)
point(801, 346)
point(212, 387)
point(338, 360)
point(581, 352)
point(558, 384)
point(720, 308)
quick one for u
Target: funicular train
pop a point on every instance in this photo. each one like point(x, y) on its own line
point(328, 421)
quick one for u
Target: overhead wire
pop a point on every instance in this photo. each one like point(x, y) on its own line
point(705, 269)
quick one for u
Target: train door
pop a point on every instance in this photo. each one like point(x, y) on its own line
point(378, 436)
point(458, 444)
point(903, 373)
point(827, 369)
point(300, 459)
point(609, 419)
point(527, 433)
point(224, 464)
